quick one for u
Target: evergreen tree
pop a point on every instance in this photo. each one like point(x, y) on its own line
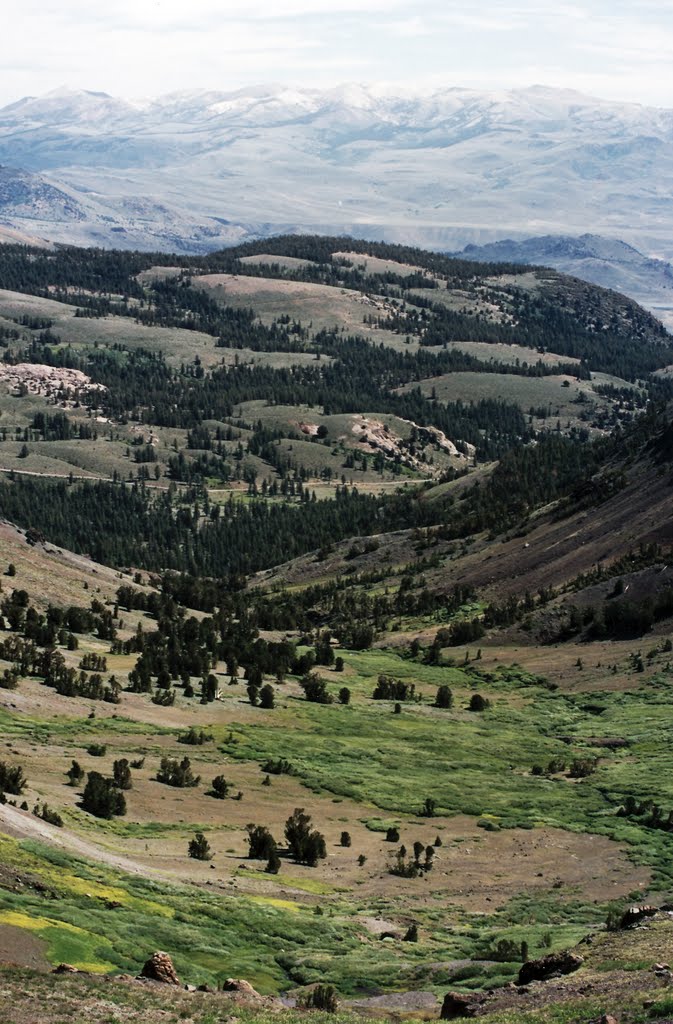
point(102, 798)
point(266, 697)
point(121, 774)
point(199, 847)
point(220, 787)
point(261, 843)
point(306, 845)
point(444, 697)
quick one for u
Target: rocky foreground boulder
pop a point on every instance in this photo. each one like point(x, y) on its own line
point(160, 967)
point(550, 966)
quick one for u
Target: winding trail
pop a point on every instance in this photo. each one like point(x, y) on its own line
point(24, 825)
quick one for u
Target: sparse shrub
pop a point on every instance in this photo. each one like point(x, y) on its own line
point(411, 934)
point(12, 779)
point(613, 921)
point(278, 767)
point(273, 863)
point(345, 839)
point(504, 951)
point(97, 749)
point(45, 812)
point(392, 835)
point(75, 773)
point(315, 689)
point(209, 688)
point(9, 680)
point(344, 695)
point(478, 703)
point(388, 688)
point(322, 997)
point(177, 773)
point(429, 807)
point(581, 767)
point(195, 737)
point(404, 867)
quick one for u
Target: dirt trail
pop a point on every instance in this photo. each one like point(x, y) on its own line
point(23, 825)
point(58, 476)
point(79, 476)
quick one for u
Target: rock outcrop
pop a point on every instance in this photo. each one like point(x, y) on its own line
point(634, 915)
point(241, 986)
point(159, 967)
point(550, 966)
point(458, 1005)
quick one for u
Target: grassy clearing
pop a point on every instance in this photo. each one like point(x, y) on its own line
point(363, 768)
point(509, 354)
point(317, 306)
point(549, 393)
point(481, 764)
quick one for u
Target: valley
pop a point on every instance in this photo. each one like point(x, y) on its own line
point(324, 524)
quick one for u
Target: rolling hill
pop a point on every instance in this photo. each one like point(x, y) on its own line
point(602, 261)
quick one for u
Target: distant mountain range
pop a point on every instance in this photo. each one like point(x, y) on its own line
point(194, 171)
point(198, 169)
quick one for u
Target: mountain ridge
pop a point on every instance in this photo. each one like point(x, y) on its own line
point(455, 167)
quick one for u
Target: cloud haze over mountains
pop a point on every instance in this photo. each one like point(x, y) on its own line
point(615, 49)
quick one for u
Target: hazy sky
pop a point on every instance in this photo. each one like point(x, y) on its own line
point(618, 49)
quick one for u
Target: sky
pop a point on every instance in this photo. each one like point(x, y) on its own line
point(142, 48)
